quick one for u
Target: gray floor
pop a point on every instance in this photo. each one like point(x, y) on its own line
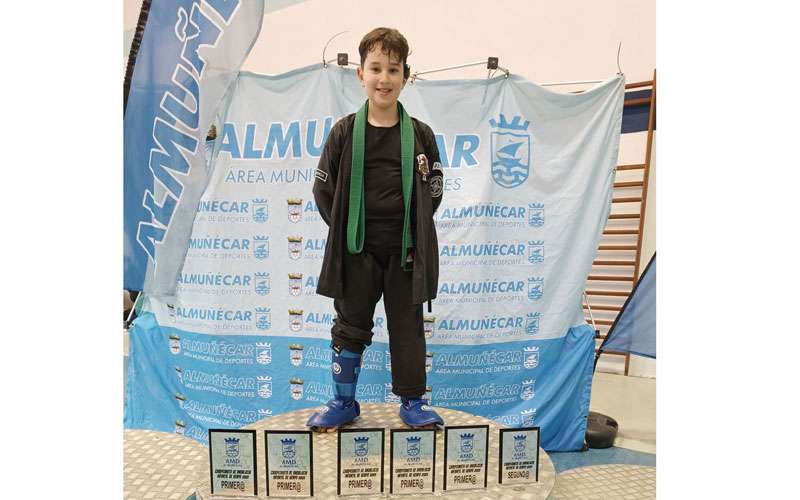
point(631, 401)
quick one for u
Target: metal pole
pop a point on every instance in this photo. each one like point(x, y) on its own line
point(594, 328)
point(505, 70)
point(450, 67)
point(129, 319)
point(349, 63)
point(569, 83)
point(589, 308)
point(324, 62)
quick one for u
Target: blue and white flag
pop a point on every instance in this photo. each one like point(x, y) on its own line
point(634, 329)
point(528, 179)
point(190, 53)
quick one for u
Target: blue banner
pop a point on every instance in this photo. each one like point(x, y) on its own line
point(634, 329)
point(191, 52)
point(528, 178)
point(186, 382)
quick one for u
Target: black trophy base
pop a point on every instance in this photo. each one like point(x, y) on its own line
point(601, 430)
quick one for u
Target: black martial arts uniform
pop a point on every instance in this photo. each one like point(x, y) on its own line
point(356, 281)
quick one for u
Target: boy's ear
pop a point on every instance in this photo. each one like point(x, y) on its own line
point(406, 71)
point(360, 74)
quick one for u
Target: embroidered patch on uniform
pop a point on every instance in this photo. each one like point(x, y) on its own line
point(437, 165)
point(422, 164)
point(436, 186)
point(321, 175)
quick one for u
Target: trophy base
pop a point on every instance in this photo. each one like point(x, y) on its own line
point(601, 430)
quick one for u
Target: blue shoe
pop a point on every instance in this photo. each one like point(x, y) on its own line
point(416, 412)
point(343, 408)
point(335, 413)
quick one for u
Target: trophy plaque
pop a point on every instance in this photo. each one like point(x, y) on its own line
point(466, 454)
point(359, 464)
point(232, 460)
point(519, 455)
point(290, 463)
point(412, 461)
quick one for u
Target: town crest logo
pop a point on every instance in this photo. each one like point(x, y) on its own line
point(260, 210)
point(295, 209)
point(511, 151)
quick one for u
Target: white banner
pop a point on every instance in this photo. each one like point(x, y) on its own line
point(528, 178)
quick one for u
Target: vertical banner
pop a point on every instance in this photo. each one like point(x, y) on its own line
point(191, 52)
point(528, 178)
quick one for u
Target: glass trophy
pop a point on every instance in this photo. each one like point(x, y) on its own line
point(290, 463)
point(359, 464)
point(412, 461)
point(519, 455)
point(232, 459)
point(466, 455)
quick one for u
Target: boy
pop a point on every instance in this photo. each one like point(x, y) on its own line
point(378, 184)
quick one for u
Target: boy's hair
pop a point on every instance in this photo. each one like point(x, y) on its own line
point(392, 43)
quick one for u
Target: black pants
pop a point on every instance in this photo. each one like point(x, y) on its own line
point(368, 276)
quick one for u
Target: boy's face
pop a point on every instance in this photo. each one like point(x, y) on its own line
point(382, 77)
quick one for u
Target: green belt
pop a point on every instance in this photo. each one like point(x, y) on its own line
point(356, 212)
